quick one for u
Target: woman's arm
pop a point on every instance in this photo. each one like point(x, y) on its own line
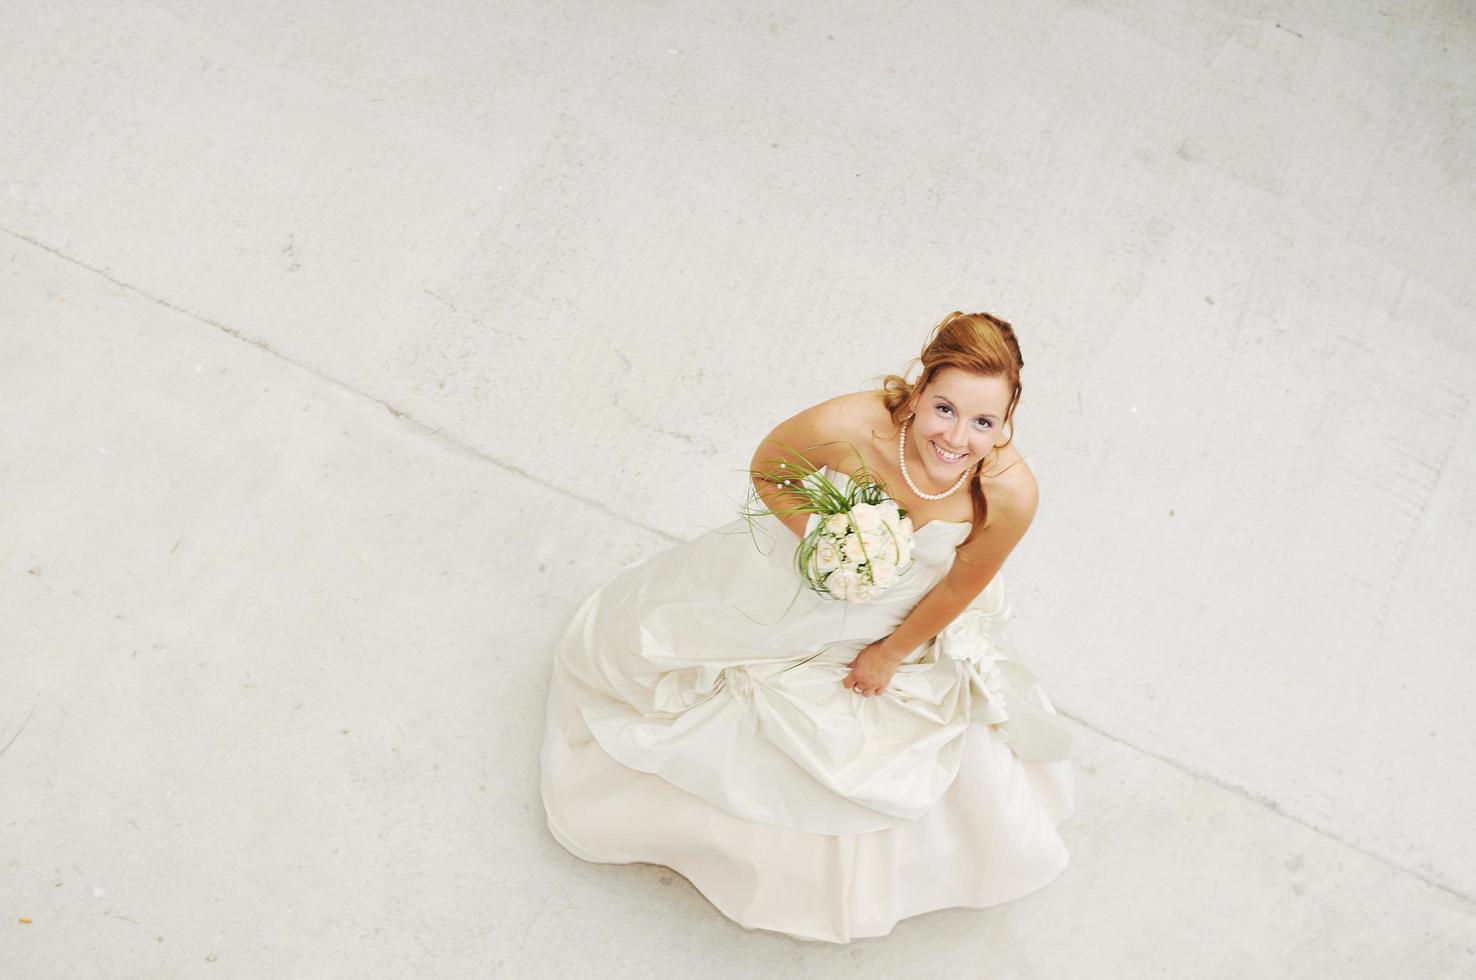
point(815, 433)
point(973, 569)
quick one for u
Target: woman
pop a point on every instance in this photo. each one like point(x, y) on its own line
point(818, 767)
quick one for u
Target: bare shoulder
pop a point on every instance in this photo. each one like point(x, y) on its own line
point(827, 431)
point(863, 412)
point(864, 424)
point(1012, 494)
point(853, 418)
point(1011, 489)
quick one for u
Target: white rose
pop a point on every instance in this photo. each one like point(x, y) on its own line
point(905, 527)
point(851, 548)
point(826, 556)
point(842, 582)
point(880, 544)
point(837, 525)
point(883, 573)
point(868, 517)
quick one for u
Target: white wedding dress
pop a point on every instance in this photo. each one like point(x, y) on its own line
point(696, 719)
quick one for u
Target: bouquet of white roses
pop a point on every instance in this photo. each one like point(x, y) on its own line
point(862, 543)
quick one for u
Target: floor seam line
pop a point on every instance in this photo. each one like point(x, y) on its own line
point(447, 440)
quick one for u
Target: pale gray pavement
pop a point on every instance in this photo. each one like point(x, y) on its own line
point(344, 347)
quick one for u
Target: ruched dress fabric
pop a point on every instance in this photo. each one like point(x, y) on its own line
point(697, 720)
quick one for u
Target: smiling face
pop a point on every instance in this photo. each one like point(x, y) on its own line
point(958, 412)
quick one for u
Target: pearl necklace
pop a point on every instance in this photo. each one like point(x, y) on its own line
point(902, 459)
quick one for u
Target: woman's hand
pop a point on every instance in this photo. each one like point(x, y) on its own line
point(872, 669)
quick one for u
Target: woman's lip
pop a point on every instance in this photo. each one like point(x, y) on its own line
point(937, 451)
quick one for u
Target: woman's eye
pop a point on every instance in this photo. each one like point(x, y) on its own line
point(987, 424)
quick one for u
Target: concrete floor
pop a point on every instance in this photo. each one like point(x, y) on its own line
point(345, 347)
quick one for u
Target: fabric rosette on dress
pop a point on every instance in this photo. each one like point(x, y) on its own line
point(1007, 695)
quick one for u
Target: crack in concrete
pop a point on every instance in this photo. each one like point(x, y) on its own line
point(19, 730)
point(1252, 796)
point(398, 413)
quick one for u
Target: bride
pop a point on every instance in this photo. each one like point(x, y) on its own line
point(813, 766)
